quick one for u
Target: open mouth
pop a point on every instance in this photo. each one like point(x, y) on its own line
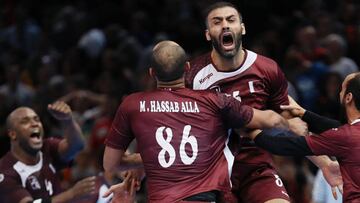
point(35, 135)
point(227, 40)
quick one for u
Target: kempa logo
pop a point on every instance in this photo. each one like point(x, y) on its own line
point(205, 78)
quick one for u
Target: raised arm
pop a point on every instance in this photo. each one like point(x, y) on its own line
point(73, 141)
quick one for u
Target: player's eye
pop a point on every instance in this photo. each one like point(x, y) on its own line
point(24, 121)
point(36, 118)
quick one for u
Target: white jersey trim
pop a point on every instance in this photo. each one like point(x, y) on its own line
point(208, 75)
point(229, 157)
point(26, 170)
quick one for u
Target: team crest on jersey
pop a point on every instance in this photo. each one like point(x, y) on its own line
point(1, 177)
point(34, 183)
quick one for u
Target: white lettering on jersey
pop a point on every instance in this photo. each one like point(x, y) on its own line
point(168, 148)
point(251, 86)
point(236, 95)
point(172, 106)
point(49, 187)
point(142, 106)
point(1, 177)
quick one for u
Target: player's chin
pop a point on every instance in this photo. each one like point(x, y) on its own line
point(228, 53)
point(35, 147)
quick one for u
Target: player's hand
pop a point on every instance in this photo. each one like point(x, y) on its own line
point(298, 126)
point(136, 175)
point(123, 192)
point(294, 108)
point(84, 187)
point(333, 176)
point(60, 110)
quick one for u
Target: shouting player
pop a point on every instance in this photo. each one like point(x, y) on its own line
point(254, 80)
point(29, 171)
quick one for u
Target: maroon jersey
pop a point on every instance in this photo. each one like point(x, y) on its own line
point(344, 144)
point(258, 82)
point(18, 180)
point(181, 138)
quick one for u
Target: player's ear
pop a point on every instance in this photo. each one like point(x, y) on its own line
point(207, 35)
point(243, 30)
point(11, 134)
point(187, 66)
point(152, 72)
point(348, 98)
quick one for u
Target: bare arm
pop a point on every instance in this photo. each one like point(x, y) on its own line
point(73, 141)
point(117, 160)
point(267, 119)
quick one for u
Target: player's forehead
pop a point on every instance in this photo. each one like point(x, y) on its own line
point(23, 112)
point(222, 12)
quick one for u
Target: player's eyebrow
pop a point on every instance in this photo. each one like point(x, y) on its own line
point(220, 18)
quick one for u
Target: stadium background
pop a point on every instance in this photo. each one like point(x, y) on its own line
point(93, 53)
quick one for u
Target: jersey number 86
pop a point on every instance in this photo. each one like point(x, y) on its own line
point(169, 149)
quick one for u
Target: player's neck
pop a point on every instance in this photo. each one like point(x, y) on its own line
point(352, 114)
point(23, 156)
point(228, 64)
point(179, 83)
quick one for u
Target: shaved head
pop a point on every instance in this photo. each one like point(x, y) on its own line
point(168, 60)
point(14, 114)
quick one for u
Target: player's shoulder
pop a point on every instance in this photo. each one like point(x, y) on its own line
point(264, 61)
point(6, 164)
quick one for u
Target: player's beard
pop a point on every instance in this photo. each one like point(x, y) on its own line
point(26, 146)
point(216, 42)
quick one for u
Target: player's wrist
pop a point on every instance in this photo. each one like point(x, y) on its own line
point(302, 112)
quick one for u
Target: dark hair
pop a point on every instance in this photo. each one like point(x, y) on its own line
point(220, 4)
point(168, 60)
point(353, 86)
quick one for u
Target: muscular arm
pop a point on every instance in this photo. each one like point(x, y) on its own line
point(267, 119)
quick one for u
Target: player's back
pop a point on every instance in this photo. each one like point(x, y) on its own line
point(181, 138)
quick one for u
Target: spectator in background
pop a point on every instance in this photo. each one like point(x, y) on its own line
point(328, 103)
point(17, 93)
point(336, 47)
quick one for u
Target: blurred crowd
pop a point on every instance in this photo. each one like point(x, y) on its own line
point(93, 53)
